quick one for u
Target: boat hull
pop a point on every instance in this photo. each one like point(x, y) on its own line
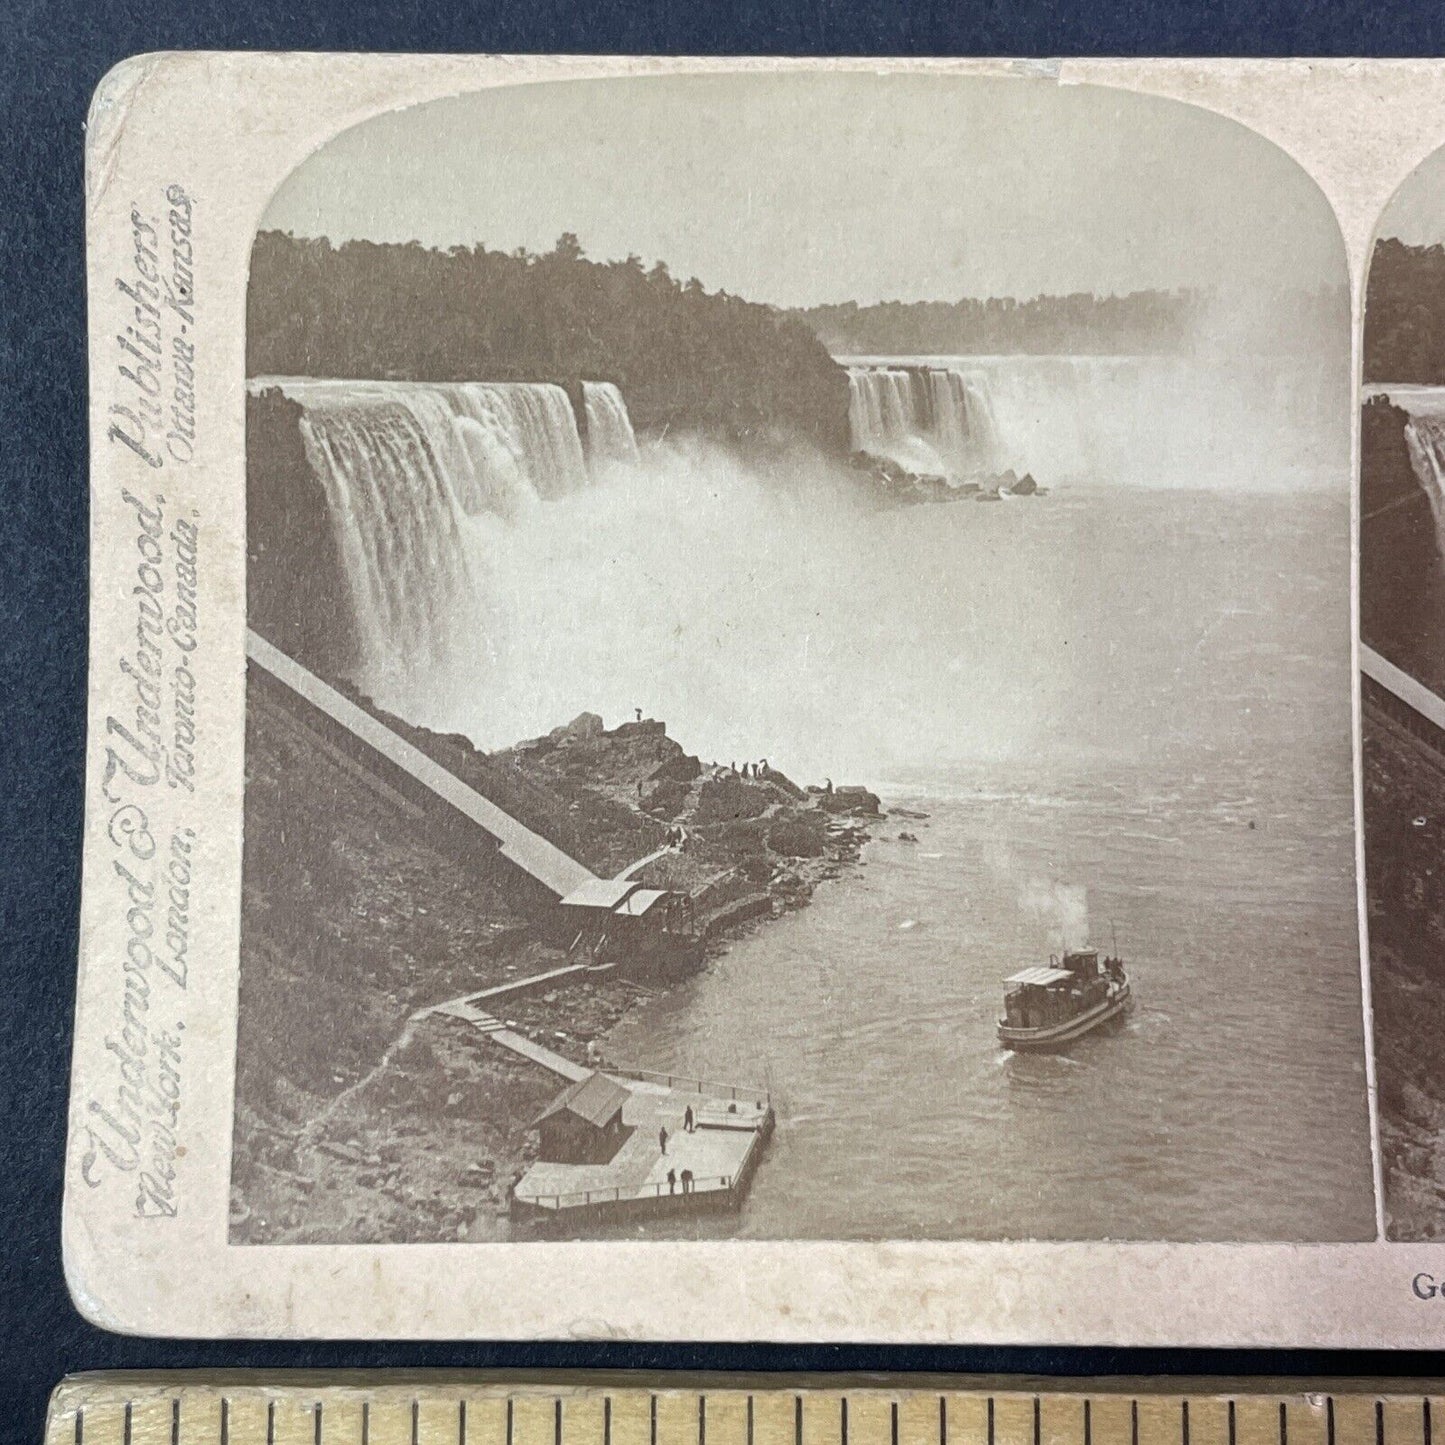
point(1060, 1036)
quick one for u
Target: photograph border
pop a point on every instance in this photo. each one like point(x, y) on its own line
point(130, 1274)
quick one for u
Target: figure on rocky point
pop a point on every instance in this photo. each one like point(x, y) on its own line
point(828, 786)
point(638, 711)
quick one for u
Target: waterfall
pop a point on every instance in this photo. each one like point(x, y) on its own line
point(1425, 438)
point(1150, 421)
point(936, 420)
point(609, 429)
point(414, 475)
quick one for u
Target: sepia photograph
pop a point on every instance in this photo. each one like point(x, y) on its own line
point(1402, 654)
point(799, 675)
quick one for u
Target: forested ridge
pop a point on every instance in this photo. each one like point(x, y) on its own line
point(1405, 314)
point(1078, 324)
point(684, 357)
point(1143, 321)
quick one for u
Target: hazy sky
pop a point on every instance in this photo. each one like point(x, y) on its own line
point(800, 188)
point(1416, 213)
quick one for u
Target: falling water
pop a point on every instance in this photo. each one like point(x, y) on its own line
point(1173, 421)
point(609, 429)
point(1425, 437)
point(929, 419)
point(414, 473)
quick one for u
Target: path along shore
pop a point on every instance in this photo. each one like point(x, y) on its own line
point(364, 1112)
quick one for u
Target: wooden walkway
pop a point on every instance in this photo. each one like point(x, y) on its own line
point(499, 1033)
point(1395, 680)
point(538, 858)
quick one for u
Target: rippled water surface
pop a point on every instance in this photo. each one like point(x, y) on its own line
point(1190, 794)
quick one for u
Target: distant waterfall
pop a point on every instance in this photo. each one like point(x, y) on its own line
point(414, 473)
point(609, 428)
point(1170, 421)
point(929, 419)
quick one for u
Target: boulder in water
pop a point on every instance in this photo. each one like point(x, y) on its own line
point(851, 800)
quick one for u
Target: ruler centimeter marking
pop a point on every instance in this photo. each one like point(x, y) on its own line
point(155, 1410)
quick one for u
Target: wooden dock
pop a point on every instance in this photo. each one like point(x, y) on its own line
point(732, 1127)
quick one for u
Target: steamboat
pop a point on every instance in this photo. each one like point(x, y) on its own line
point(1047, 1008)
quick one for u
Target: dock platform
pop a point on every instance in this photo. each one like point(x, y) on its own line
point(732, 1125)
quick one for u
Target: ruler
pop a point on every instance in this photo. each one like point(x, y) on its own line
point(363, 1409)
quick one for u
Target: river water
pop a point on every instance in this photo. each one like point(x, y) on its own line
point(1179, 779)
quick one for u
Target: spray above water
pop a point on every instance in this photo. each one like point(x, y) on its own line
point(932, 420)
point(514, 557)
point(1214, 420)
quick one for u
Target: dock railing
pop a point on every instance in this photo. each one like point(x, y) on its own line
point(710, 1087)
point(581, 1198)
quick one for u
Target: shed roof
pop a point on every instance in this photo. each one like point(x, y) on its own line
point(601, 893)
point(594, 1099)
point(1041, 977)
point(636, 904)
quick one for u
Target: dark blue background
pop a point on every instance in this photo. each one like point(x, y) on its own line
point(51, 57)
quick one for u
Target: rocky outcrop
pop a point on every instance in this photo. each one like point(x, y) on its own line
point(365, 899)
point(1400, 563)
point(852, 800)
point(894, 486)
point(297, 595)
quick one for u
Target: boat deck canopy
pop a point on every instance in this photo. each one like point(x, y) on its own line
point(1042, 977)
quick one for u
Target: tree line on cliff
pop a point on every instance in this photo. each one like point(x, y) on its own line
point(1078, 324)
point(1142, 321)
point(684, 357)
point(1405, 314)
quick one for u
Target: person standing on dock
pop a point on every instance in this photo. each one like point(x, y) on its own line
point(687, 1119)
point(672, 1181)
point(662, 1138)
point(687, 1181)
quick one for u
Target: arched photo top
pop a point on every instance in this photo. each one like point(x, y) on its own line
point(802, 189)
point(1404, 338)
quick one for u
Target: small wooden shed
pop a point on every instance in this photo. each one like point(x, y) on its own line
point(583, 1124)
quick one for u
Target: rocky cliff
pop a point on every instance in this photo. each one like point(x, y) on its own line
point(365, 899)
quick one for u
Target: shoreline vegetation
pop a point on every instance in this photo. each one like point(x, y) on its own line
point(366, 900)
point(685, 358)
point(1141, 323)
